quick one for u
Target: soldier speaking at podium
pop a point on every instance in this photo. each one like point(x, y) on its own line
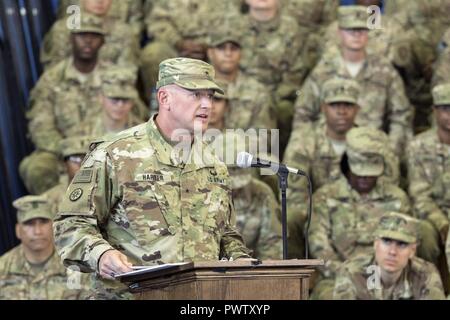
point(138, 200)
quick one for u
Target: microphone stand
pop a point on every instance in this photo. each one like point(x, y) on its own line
point(283, 182)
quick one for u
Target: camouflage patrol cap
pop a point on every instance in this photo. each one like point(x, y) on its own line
point(353, 17)
point(223, 35)
point(365, 152)
point(32, 207)
point(340, 90)
point(119, 82)
point(441, 94)
point(397, 226)
point(90, 23)
point(190, 74)
point(78, 145)
point(224, 86)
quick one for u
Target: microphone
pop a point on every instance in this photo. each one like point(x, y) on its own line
point(246, 160)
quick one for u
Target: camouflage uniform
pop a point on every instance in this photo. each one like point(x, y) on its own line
point(164, 208)
point(170, 22)
point(389, 40)
point(313, 16)
point(428, 174)
point(130, 12)
point(120, 46)
point(20, 280)
point(311, 150)
point(442, 68)
point(419, 280)
point(249, 104)
point(272, 53)
point(257, 213)
point(383, 101)
point(343, 221)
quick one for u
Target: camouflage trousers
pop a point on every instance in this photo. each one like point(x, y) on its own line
point(40, 171)
point(151, 56)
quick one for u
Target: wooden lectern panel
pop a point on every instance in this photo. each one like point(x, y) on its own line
point(270, 280)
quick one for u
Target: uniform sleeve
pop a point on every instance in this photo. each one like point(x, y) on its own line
point(433, 289)
point(84, 211)
point(320, 236)
point(420, 189)
point(269, 245)
point(344, 287)
point(55, 46)
point(307, 105)
point(231, 243)
point(42, 123)
point(400, 114)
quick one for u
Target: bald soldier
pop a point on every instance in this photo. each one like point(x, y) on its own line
point(392, 272)
point(172, 204)
point(64, 96)
point(428, 157)
point(121, 44)
point(33, 270)
point(346, 211)
point(383, 101)
point(318, 151)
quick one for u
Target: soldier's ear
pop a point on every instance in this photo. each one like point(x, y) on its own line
point(413, 250)
point(18, 231)
point(209, 53)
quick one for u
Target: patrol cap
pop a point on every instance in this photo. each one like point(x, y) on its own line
point(365, 152)
point(76, 145)
point(222, 35)
point(190, 74)
point(353, 17)
point(90, 23)
point(224, 85)
point(119, 82)
point(441, 94)
point(33, 207)
point(397, 226)
point(340, 90)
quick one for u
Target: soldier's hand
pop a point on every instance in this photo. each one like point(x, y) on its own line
point(113, 262)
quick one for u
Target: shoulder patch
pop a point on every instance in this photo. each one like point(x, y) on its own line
point(84, 176)
point(76, 194)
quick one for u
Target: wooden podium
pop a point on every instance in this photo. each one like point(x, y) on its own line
point(237, 280)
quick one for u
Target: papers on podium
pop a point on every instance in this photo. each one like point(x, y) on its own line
point(137, 270)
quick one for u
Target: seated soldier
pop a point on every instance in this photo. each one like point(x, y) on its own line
point(318, 151)
point(118, 99)
point(72, 150)
point(392, 272)
point(33, 270)
point(121, 42)
point(347, 211)
point(428, 157)
point(64, 97)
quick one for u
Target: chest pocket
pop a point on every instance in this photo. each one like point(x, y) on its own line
point(142, 212)
point(216, 204)
point(13, 288)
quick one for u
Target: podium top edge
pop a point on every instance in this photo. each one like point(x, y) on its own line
point(264, 263)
